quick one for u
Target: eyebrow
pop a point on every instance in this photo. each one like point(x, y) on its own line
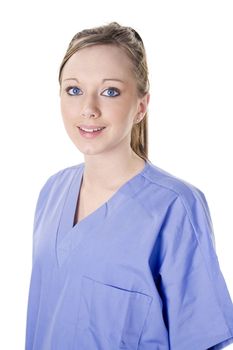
point(115, 79)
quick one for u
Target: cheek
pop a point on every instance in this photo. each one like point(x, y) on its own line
point(123, 116)
point(68, 110)
point(121, 112)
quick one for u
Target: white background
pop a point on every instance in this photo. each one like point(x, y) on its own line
point(190, 55)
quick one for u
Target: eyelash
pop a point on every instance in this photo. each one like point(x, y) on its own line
point(75, 87)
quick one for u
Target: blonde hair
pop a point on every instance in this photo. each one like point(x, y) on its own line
point(130, 41)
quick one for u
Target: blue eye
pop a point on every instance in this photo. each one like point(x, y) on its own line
point(112, 92)
point(73, 90)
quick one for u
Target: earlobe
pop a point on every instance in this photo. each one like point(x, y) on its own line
point(139, 118)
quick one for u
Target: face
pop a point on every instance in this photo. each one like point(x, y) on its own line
point(98, 89)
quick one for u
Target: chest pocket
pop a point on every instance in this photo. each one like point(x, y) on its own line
point(111, 317)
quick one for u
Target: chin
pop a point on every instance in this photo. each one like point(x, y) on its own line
point(89, 150)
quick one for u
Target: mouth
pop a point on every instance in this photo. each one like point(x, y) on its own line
point(91, 130)
point(89, 133)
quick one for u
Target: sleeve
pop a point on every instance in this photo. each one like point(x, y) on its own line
point(40, 205)
point(197, 307)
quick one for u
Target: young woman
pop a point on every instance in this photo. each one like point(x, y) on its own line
point(123, 252)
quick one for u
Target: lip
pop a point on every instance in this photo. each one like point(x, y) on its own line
point(90, 134)
point(90, 127)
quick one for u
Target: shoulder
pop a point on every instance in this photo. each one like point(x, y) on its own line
point(65, 172)
point(182, 204)
point(57, 181)
point(61, 175)
point(172, 189)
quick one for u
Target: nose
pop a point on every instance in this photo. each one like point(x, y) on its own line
point(89, 114)
point(90, 109)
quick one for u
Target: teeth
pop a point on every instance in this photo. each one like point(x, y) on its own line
point(91, 130)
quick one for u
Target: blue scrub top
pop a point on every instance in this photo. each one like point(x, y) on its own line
point(139, 273)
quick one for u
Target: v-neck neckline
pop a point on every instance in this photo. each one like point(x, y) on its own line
point(70, 236)
point(106, 203)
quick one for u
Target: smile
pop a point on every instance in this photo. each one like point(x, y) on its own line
point(91, 130)
point(91, 133)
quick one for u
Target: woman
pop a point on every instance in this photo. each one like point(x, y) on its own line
point(123, 252)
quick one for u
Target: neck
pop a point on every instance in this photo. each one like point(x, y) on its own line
point(101, 172)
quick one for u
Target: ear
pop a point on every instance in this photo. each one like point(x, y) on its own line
point(142, 107)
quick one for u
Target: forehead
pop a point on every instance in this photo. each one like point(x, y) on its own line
point(99, 60)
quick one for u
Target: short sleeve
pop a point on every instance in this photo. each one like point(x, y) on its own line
point(40, 206)
point(197, 307)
